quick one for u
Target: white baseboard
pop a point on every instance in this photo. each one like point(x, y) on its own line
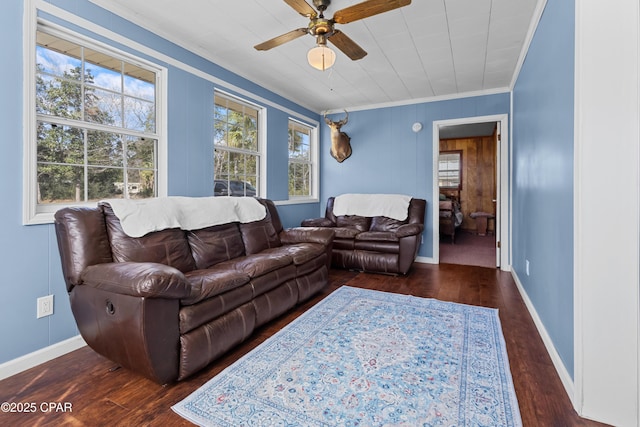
point(38, 357)
point(565, 377)
point(425, 260)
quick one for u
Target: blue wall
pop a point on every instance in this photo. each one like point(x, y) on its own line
point(543, 174)
point(29, 258)
point(388, 157)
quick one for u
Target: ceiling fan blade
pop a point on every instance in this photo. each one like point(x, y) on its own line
point(277, 41)
point(347, 46)
point(302, 7)
point(367, 9)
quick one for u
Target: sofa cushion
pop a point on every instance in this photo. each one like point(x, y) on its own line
point(259, 235)
point(347, 244)
point(192, 316)
point(300, 252)
point(311, 265)
point(371, 247)
point(212, 245)
point(211, 282)
point(317, 222)
point(361, 223)
point(346, 232)
point(272, 279)
point(380, 236)
point(383, 223)
point(169, 247)
point(258, 264)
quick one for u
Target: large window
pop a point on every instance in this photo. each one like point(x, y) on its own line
point(450, 169)
point(237, 153)
point(96, 132)
point(301, 138)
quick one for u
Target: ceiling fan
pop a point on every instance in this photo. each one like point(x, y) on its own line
point(324, 30)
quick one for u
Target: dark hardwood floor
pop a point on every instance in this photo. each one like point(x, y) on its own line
point(98, 394)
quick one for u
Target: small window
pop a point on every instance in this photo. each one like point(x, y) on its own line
point(450, 169)
point(95, 132)
point(301, 167)
point(236, 150)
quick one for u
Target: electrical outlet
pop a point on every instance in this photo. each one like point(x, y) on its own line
point(45, 306)
point(526, 266)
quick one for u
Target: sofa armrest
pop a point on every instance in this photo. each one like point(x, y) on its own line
point(138, 279)
point(409, 230)
point(317, 222)
point(320, 235)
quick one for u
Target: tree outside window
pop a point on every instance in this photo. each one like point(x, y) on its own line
point(95, 124)
point(236, 148)
point(300, 160)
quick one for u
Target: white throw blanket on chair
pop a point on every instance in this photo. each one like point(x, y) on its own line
point(394, 206)
point(139, 217)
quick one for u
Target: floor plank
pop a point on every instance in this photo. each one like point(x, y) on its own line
point(101, 394)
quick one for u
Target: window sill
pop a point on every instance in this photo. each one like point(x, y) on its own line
point(297, 201)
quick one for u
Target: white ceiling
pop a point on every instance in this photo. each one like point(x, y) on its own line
point(428, 49)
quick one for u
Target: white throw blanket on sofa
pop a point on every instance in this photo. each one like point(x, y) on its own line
point(139, 217)
point(394, 206)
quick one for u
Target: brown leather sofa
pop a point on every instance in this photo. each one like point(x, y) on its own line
point(167, 304)
point(374, 244)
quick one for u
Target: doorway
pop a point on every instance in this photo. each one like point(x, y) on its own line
point(471, 192)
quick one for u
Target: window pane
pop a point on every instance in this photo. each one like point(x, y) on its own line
point(60, 144)
point(58, 57)
point(139, 115)
point(220, 133)
point(59, 97)
point(104, 148)
point(221, 163)
point(102, 70)
point(60, 183)
point(103, 107)
point(141, 153)
point(449, 169)
point(236, 165)
point(141, 183)
point(139, 82)
point(299, 179)
point(104, 183)
point(299, 144)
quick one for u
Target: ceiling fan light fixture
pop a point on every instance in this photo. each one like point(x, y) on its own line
point(321, 57)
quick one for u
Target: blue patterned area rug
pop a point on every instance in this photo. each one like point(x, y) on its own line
point(368, 358)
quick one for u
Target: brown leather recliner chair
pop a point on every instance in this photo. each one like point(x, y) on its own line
point(374, 244)
point(167, 304)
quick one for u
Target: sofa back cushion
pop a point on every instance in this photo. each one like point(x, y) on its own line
point(82, 241)
point(169, 247)
point(383, 223)
point(329, 210)
point(417, 209)
point(358, 222)
point(260, 235)
point(212, 245)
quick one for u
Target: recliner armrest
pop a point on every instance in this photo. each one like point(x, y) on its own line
point(409, 230)
point(138, 279)
point(320, 235)
point(317, 222)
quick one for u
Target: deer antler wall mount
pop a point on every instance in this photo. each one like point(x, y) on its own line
point(340, 141)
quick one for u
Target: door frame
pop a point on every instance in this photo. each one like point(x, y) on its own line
point(503, 205)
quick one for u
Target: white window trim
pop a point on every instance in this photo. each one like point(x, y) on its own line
point(315, 166)
point(30, 213)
